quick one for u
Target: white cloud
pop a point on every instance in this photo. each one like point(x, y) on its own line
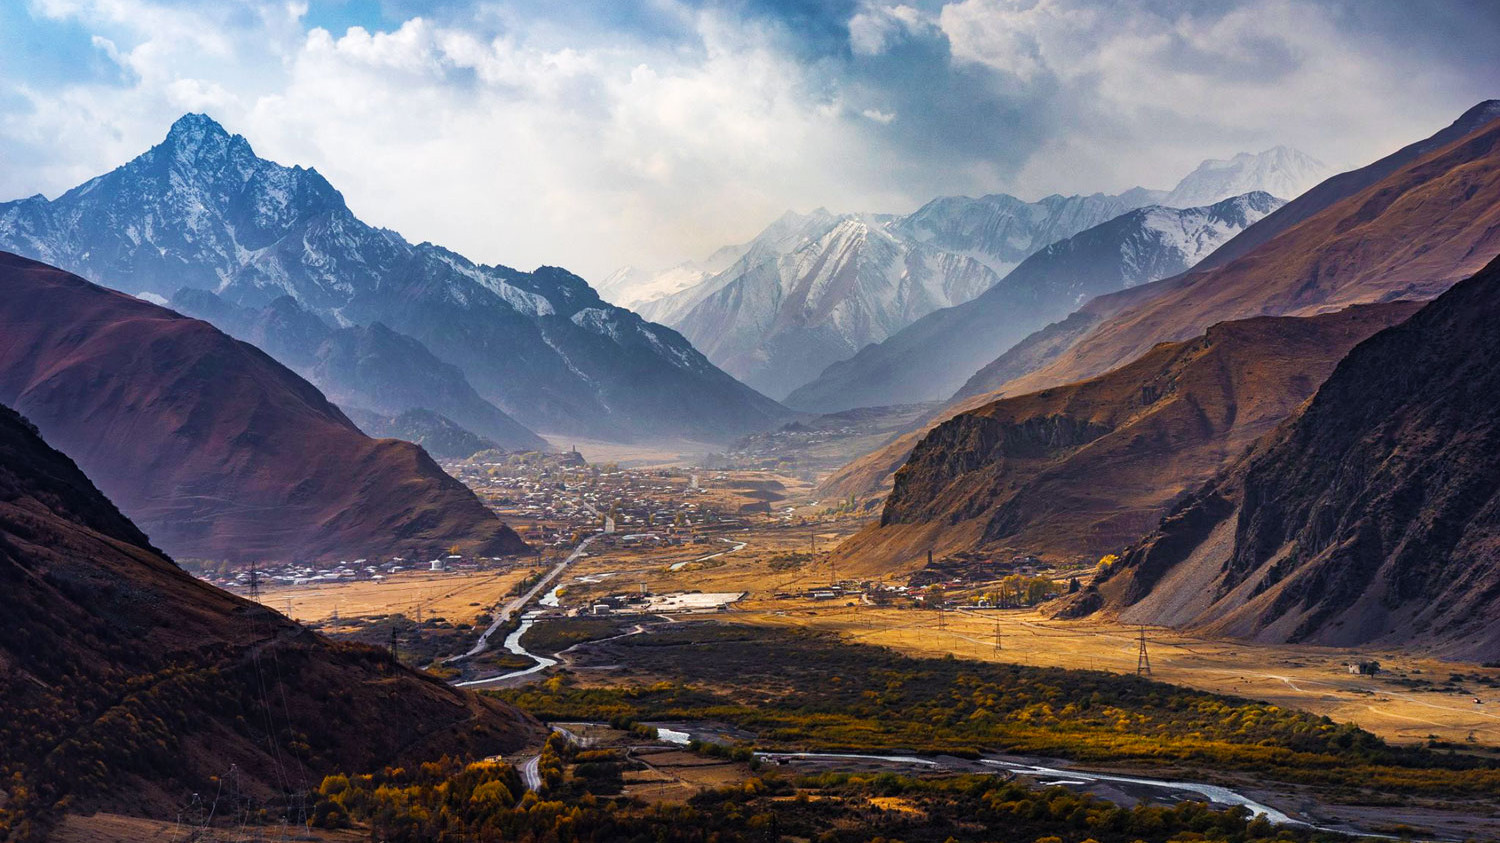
point(1163, 90)
point(521, 139)
point(875, 27)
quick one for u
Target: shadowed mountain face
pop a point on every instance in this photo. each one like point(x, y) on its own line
point(361, 368)
point(1373, 516)
point(130, 685)
point(202, 211)
point(1407, 226)
point(1081, 470)
point(438, 435)
point(216, 450)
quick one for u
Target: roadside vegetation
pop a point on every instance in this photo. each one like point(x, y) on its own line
point(450, 801)
point(799, 689)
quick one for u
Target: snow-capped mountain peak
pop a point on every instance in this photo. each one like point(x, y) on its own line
point(1280, 171)
point(200, 211)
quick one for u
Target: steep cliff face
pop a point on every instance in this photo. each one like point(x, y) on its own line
point(130, 685)
point(218, 451)
point(1080, 471)
point(1373, 516)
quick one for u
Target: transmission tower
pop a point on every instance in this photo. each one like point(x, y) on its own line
point(395, 652)
point(998, 646)
point(1143, 661)
point(254, 583)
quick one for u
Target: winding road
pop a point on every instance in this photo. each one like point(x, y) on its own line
point(509, 609)
point(738, 546)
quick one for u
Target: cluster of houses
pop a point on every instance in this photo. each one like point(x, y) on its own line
point(304, 573)
point(554, 500)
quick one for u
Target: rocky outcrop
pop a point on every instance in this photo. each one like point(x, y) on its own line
point(1372, 517)
point(1080, 471)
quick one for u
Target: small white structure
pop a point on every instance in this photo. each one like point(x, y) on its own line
point(435, 565)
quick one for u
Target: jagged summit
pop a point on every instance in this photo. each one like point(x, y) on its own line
point(201, 211)
point(814, 290)
point(1280, 170)
point(932, 357)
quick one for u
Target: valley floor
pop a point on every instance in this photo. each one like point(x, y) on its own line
point(1412, 700)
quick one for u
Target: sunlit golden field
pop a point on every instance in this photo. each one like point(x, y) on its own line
point(457, 596)
point(1394, 704)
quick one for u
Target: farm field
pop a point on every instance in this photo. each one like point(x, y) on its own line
point(458, 596)
point(1412, 700)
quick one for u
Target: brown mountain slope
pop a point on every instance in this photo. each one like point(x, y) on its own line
point(1081, 470)
point(1373, 516)
point(1410, 235)
point(216, 450)
point(1406, 226)
point(873, 473)
point(129, 685)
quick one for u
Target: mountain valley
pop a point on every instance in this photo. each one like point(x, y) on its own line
point(1106, 515)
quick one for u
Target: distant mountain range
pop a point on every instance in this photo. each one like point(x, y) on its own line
point(1405, 227)
point(814, 290)
point(202, 212)
point(132, 686)
point(1372, 517)
point(1279, 171)
point(369, 370)
point(1412, 234)
point(216, 450)
point(931, 358)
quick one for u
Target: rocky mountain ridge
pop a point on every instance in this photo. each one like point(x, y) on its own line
point(202, 211)
point(1370, 518)
point(930, 359)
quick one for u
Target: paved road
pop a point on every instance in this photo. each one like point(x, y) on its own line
point(738, 546)
point(531, 773)
point(514, 606)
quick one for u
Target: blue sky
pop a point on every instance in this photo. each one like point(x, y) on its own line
point(596, 133)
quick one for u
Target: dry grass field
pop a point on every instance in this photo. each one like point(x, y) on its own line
point(459, 596)
point(115, 828)
point(1393, 704)
point(1411, 700)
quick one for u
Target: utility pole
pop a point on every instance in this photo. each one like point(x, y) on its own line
point(1143, 661)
